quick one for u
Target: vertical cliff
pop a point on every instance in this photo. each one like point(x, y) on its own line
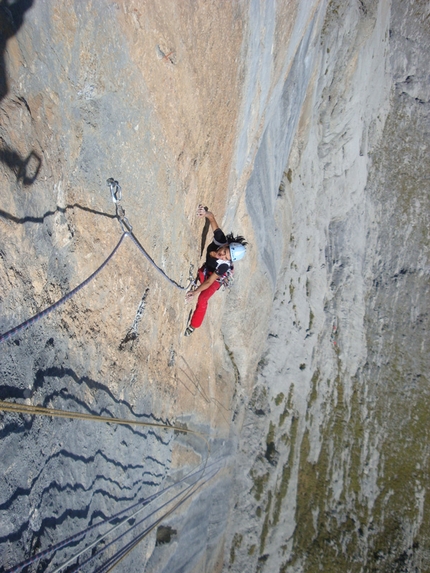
point(336, 425)
point(305, 127)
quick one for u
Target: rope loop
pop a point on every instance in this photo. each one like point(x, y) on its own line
point(127, 231)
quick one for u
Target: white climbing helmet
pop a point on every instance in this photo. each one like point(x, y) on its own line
point(237, 251)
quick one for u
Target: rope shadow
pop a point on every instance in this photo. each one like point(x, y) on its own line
point(41, 219)
point(192, 378)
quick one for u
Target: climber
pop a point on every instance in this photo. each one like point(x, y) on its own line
point(220, 256)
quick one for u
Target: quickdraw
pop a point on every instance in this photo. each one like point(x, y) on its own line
point(226, 280)
point(116, 193)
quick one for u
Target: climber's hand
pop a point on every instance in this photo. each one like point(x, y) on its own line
point(190, 295)
point(202, 211)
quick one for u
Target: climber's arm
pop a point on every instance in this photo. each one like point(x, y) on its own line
point(206, 284)
point(202, 212)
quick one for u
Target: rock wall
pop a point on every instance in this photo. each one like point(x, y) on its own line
point(334, 451)
point(303, 126)
point(89, 93)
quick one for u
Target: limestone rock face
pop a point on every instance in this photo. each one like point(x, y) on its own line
point(303, 126)
point(339, 461)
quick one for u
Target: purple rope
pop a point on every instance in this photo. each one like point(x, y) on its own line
point(39, 315)
point(145, 254)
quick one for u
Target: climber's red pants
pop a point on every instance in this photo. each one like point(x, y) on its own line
point(202, 301)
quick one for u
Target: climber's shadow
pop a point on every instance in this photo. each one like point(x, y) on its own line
point(11, 20)
point(26, 169)
point(204, 234)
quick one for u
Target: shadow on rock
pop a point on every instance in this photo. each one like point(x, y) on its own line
point(11, 20)
point(30, 219)
point(26, 170)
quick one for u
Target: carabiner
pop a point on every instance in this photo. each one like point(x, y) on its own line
point(115, 190)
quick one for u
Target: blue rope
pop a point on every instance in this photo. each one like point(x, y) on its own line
point(124, 550)
point(116, 558)
point(69, 540)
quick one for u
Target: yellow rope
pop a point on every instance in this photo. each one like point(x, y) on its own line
point(41, 411)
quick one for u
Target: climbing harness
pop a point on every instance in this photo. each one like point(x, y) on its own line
point(226, 280)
